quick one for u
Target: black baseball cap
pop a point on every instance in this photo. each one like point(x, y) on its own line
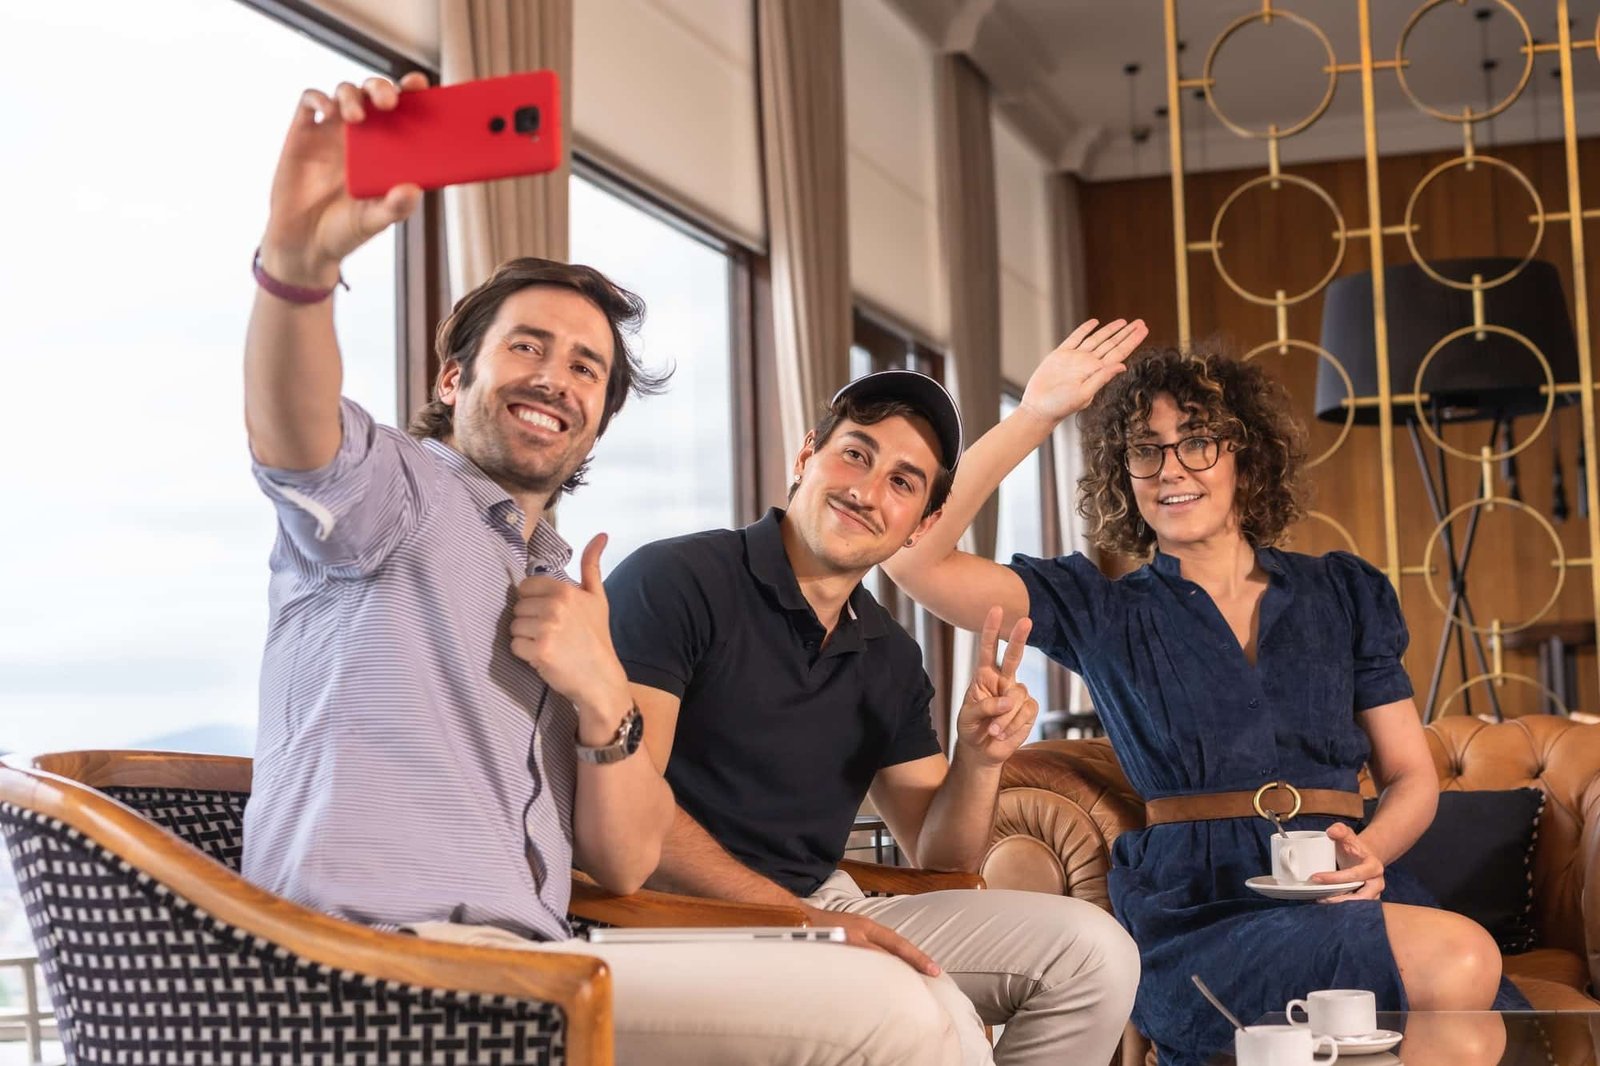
point(919, 391)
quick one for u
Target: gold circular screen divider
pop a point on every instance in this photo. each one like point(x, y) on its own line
point(1467, 114)
point(1501, 675)
point(1516, 505)
point(1470, 161)
point(1334, 524)
point(1349, 388)
point(1455, 335)
point(1271, 132)
point(1341, 235)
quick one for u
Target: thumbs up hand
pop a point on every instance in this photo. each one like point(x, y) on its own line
point(564, 632)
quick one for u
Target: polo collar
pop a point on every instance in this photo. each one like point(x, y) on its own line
point(769, 564)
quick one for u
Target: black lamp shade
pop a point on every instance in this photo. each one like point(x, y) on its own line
point(1470, 378)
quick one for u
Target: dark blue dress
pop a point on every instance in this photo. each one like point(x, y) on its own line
point(1187, 712)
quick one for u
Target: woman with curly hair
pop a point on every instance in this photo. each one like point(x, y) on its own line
point(1220, 665)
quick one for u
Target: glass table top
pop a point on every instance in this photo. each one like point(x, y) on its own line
point(1476, 1038)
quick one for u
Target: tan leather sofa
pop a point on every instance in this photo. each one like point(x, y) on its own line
point(1062, 803)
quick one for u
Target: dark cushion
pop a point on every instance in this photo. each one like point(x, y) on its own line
point(1477, 859)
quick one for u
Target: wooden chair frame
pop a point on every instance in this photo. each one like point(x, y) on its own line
point(64, 786)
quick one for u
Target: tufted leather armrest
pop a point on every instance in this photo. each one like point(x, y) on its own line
point(1561, 757)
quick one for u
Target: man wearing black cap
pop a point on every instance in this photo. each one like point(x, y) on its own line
point(777, 694)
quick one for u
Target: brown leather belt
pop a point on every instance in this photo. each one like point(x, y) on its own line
point(1278, 797)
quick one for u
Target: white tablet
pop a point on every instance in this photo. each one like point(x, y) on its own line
point(700, 935)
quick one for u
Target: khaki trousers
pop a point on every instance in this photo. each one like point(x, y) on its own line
point(1058, 973)
point(755, 1003)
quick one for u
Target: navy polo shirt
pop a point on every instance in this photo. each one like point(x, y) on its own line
point(779, 737)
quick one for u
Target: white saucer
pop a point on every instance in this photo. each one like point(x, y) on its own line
point(1267, 885)
point(1368, 1043)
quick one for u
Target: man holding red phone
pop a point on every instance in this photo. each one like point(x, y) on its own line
point(445, 726)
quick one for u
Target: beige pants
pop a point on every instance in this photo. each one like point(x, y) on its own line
point(1058, 973)
point(761, 1004)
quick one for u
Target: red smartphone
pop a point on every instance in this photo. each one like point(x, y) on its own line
point(474, 131)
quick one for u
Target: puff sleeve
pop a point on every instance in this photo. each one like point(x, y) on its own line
point(1378, 634)
point(1070, 602)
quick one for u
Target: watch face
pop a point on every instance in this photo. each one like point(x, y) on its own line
point(633, 731)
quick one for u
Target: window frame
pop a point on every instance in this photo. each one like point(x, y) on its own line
point(1051, 538)
point(892, 345)
point(743, 325)
point(422, 277)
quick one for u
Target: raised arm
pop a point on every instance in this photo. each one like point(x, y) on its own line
point(292, 375)
point(958, 586)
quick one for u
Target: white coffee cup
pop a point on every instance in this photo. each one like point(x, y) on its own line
point(1282, 1045)
point(1300, 854)
point(1336, 1012)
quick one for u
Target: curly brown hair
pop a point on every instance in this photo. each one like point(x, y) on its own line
point(1244, 406)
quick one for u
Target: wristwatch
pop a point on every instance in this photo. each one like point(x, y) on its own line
point(630, 731)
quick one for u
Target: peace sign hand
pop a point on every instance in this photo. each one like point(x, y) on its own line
point(997, 713)
point(1069, 377)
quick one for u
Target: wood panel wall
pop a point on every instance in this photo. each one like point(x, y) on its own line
point(1284, 239)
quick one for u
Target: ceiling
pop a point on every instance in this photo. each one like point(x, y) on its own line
point(1058, 68)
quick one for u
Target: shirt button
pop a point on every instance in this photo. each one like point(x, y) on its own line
point(1255, 703)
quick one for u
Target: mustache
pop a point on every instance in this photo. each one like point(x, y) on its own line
point(570, 413)
point(857, 510)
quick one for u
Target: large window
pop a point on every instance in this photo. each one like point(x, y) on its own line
point(667, 463)
point(137, 561)
point(140, 143)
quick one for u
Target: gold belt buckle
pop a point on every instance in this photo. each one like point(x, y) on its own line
point(1274, 816)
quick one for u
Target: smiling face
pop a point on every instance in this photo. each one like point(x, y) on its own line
point(530, 411)
point(1183, 506)
point(861, 494)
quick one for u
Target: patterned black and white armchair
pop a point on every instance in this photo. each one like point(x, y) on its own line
point(156, 951)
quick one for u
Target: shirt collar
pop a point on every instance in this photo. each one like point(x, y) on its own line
point(498, 507)
point(769, 564)
point(1170, 566)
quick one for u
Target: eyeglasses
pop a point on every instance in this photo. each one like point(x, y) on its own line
point(1194, 453)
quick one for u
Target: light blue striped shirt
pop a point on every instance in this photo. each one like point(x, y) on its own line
point(408, 767)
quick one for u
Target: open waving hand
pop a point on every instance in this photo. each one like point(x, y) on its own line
point(1068, 378)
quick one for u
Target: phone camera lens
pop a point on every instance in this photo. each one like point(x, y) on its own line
point(497, 124)
point(526, 119)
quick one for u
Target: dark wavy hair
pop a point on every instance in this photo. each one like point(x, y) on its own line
point(1237, 400)
point(461, 335)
